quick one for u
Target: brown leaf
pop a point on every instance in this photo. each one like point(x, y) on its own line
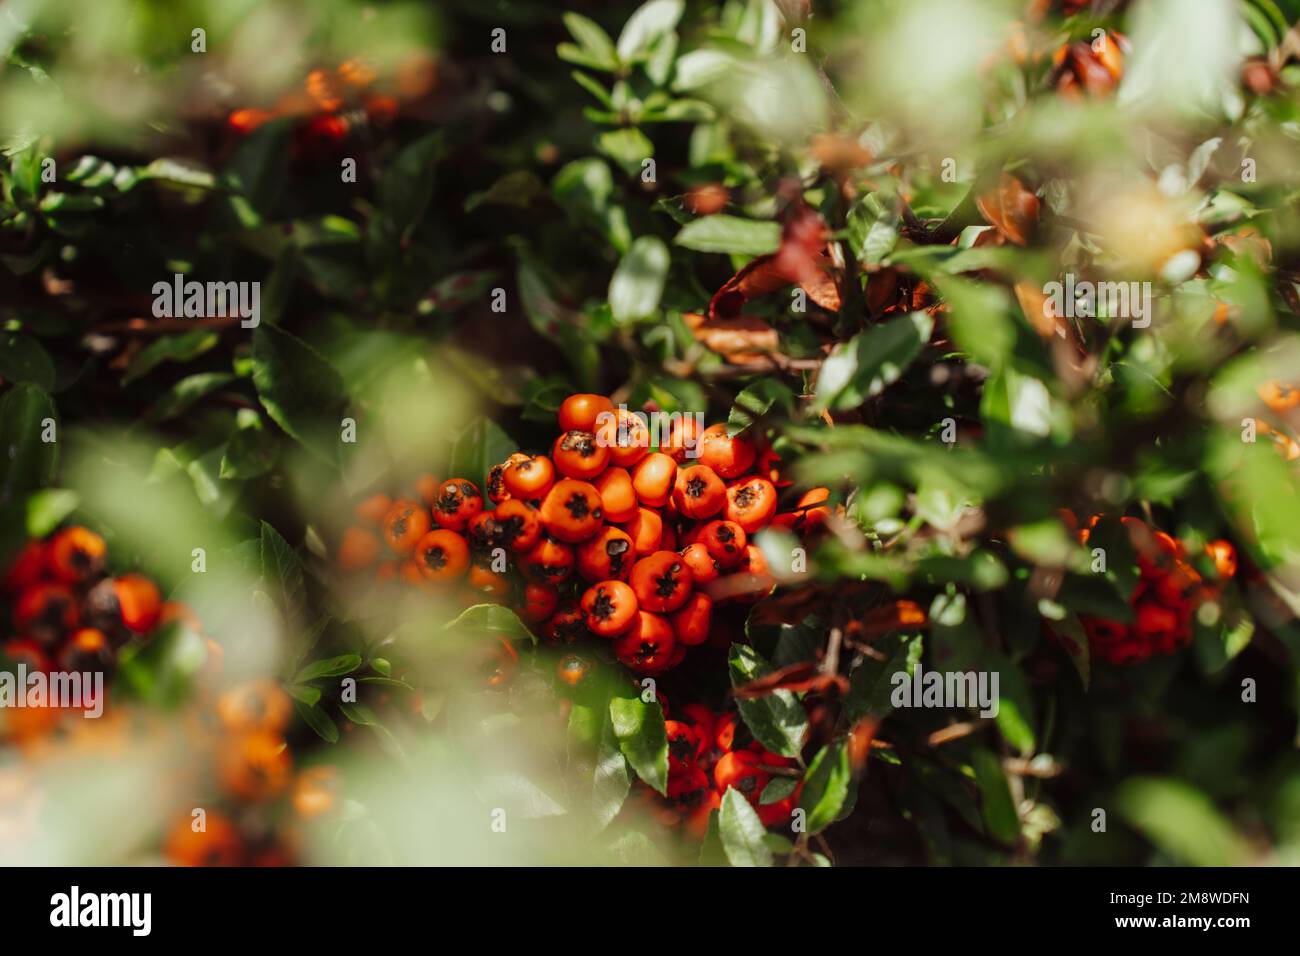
point(743, 340)
point(1011, 209)
point(892, 617)
point(799, 678)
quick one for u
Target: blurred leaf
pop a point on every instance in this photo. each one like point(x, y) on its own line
point(406, 187)
point(720, 233)
point(1181, 821)
point(755, 401)
point(300, 390)
point(638, 282)
point(494, 619)
point(611, 782)
point(998, 810)
point(24, 360)
point(183, 347)
point(26, 461)
point(316, 718)
point(646, 25)
point(481, 445)
point(328, 667)
point(282, 573)
point(862, 367)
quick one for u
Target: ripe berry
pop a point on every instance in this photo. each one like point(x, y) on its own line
point(646, 530)
point(28, 568)
point(572, 510)
point(539, 601)
point(725, 542)
point(728, 457)
point(605, 556)
point(610, 607)
point(75, 555)
point(254, 766)
point(519, 524)
point(217, 844)
point(457, 503)
point(371, 511)
point(548, 560)
point(617, 496)
point(704, 567)
point(358, 548)
point(683, 439)
point(691, 621)
point(683, 746)
point(662, 581)
point(568, 625)
point(739, 770)
point(442, 555)
point(1224, 556)
point(577, 454)
point(652, 478)
point(751, 503)
point(698, 492)
point(255, 705)
point(405, 523)
point(580, 412)
point(46, 612)
point(625, 435)
point(529, 478)
point(646, 647)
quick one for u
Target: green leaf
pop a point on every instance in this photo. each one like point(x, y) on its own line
point(871, 685)
point(406, 187)
point(638, 282)
point(182, 396)
point(611, 781)
point(777, 720)
point(251, 452)
point(755, 401)
point(319, 721)
point(481, 445)
point(647, 24)
point(184, 347)
point(299, 389)
point(328, 667)
point(46, 510)
point(1181, 821)
point(711, 849)
point(639, 728)
point(256, 173)
point(628, 147)
point(27, 462)
point(826, 786)
point(24, 360)
point(492, 618)
point(593, 40)
point(281, 572)
point(305, 693)
point(730, 234)
point(742, 832)
point(777, 789)
point(998, 810)
point(872, 360)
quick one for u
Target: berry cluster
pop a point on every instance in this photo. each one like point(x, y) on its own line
point(608, 539)
point(1168, 593)
point(67, 613)
point(709, 752)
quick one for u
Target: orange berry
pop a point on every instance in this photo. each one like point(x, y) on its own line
point(577, 454)
point(728, 457)
point(606, 556)
point(683, 439)
point(217, 844)
point(662, 581)
point(751, 503)
point(646, 530)
point(572, 510)
point(371, 511)
point(647, 645)
point(548, 560)
point(539, 601)
point(698, 493)
point(691, 620)
point(609, 606)
point(626, 436)
point(254, 766)
point(255, 705)
point(457, 503)
point(617, 496)
point(653, 478)
point(579, 412)
point(442, 555)
point(75, 555)
point(704, 567)
point(725, 542)
point(519, 524)
point(529, 478)
point(359, 548)
point(405, 524)
point(140, 602)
